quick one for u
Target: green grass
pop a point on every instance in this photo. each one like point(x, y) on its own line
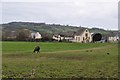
point(46, 47)
point(60, 60)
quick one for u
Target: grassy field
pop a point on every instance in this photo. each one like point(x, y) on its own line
point(59, 60)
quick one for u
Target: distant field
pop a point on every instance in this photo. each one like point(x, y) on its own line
point(60, 60)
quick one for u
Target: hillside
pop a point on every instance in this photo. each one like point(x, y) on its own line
point(46, 28)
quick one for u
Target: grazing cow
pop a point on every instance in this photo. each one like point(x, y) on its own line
point(88, 50)
point(37, 49)
point(108, 53)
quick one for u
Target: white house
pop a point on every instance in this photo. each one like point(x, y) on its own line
point(113, 38)
point(69, 38)
point(58, 37)
point(36, 36)
point(83, 35)
point(33, 35)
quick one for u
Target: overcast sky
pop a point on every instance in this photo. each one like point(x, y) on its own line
point(88, 13)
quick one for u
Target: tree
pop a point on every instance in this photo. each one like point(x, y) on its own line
point(23, 35)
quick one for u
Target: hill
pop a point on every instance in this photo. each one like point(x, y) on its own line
point(47, 28)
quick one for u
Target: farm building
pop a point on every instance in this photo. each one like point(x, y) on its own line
point(69, 38)
point(83, 35)
point(58, 37)
point(63, 37)
point(113, 38)
point(36, 36)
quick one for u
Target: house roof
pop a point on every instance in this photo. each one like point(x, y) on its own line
point(113, 34)
point(68, 34)
point(80, 31)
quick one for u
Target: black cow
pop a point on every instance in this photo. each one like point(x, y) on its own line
point(37, 49)
point(108, 53)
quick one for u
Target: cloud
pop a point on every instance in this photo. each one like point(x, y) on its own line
point(101, 13)
point(76, 1)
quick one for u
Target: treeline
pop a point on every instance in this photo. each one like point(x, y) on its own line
point(18, 35)
point(48, 28)
point(25, 35)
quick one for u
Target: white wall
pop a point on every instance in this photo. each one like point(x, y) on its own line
point(80, 37)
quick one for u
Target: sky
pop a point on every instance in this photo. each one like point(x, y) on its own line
point(85, 13)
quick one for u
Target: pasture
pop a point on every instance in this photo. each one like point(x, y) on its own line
point(59, 60)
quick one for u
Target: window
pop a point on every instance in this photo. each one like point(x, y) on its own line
point(83, 38)
point(86, 35)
